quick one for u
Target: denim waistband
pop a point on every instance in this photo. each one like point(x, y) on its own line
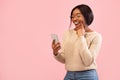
point(82, 72)
point(86, 75)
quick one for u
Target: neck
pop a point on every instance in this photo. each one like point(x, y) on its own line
point(88, 29)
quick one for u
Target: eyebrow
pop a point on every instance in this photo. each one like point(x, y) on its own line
point(77, 13)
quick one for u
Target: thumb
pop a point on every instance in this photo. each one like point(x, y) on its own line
point(53, 42)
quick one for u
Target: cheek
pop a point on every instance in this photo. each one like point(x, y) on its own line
point(82, 20)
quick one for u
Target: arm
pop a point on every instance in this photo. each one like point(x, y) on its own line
point(88, 54)
point(60, 56)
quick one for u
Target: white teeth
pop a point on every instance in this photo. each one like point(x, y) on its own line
point(76, 23)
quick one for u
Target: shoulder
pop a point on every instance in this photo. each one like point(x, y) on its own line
point(97, 37)
point(94, 36)
point(67, 32)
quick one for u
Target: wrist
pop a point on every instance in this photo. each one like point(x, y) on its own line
point(55, 53)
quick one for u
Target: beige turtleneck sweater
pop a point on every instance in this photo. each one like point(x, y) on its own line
point(79, 53)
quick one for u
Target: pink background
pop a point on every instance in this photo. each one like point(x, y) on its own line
point(25, 42)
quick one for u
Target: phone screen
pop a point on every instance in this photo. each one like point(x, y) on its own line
point(55, 37)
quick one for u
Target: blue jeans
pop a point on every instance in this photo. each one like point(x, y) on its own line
point(81, 75)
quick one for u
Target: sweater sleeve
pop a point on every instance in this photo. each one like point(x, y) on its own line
point(88, 54)
point(61, 57)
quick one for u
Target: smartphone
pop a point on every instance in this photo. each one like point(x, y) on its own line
point(55, 37)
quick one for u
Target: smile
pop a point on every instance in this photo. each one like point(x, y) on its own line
point(76, 22)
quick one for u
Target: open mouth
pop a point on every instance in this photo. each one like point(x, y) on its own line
point(76, 22)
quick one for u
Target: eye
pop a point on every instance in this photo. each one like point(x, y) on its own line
point(72, 16)
point(78, 15)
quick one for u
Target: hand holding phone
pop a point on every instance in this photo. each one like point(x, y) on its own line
point(55, 46)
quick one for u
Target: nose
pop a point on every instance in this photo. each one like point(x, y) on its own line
point(74, 18)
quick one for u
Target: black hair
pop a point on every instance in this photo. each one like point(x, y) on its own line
point(86, 12)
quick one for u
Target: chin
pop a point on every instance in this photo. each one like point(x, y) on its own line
point(77, 26)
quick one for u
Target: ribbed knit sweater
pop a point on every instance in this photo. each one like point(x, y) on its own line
point(79, 53)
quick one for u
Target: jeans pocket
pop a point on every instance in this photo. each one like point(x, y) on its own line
point(69, 76)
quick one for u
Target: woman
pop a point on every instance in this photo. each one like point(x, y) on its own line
point(80, 46)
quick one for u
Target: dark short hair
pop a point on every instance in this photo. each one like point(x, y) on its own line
point(86, 12)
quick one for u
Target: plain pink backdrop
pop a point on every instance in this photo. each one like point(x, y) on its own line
point(25, 42)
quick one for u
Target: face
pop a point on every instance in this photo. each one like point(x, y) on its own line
point(77, 18)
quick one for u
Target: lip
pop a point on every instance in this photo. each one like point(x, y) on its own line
point(76, 22)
